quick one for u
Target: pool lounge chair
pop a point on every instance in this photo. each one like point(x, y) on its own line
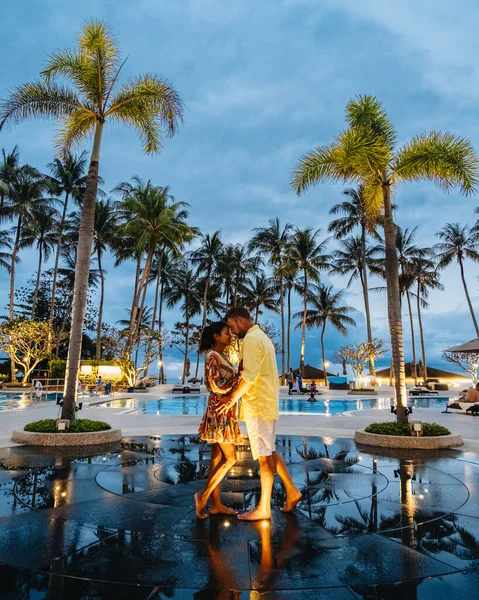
point(195, 387)
point(423, 391)
point(465, 407)
point(179, 387)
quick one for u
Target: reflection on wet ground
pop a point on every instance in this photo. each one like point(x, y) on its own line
point(119, 522)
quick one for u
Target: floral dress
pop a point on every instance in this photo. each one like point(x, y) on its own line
point(220, 379)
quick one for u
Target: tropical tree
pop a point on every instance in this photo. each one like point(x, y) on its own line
point(67, 176)
point(459, 243)
point(6, 242)
point(426, 277)
point(260, 292)
point(359, 354)
point(326, 308)
point(354, 213)
point(149, 104)
point(273, 241)
point(366, 153)
point(309, 257)
point(289, 271)
point(8, 171)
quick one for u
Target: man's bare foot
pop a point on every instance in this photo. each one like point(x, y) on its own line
point(221, 509)
point(200, 506)
point(291, 502)
point(256, 514)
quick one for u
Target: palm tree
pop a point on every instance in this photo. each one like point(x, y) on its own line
point(152, 219)
point(148, 103)
point(354, 212)
point(459, 243)
point(426, 276)
point(289, 271)
point(183, 289)
point(105, 227)
point(326, 308)
point(308, 255)
point(260, 292)
point(5, 242)
point(67, 175)
point(41, 229)
point(273, 241)
point(366, 153)
point(8, 171)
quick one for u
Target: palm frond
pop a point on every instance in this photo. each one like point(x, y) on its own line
point(73, 130)
point(367, 112)
point(444, 158)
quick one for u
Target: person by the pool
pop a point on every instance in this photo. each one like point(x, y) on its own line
point(220, 430)
point(259, 390)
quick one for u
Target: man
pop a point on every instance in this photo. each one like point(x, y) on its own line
point(472, 394)
point(290, 381)
point(259, 409)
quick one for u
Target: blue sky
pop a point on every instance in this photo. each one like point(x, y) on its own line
point(264, 82)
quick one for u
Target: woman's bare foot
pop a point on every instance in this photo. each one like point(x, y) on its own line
point(200, 506)
point(256, 514)
point(291, 502)
point(221, 509)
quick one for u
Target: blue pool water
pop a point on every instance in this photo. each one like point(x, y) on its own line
point(20, 401)
point(195, 405)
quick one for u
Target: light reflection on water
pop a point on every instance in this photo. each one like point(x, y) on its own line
point(195, 405)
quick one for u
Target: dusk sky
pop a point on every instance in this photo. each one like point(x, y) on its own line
point(263, 83)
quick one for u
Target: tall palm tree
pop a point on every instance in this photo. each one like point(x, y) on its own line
point(426, 276)
point(105, 227)
point(289, 271)
point(41, 231)
point(8, 170)
point(149, 104)
point(67, 176)
point(273, 241)
point(153, 219)
point(354, 213)
point(366, 153)
point(183, 290)
point(458, 243)
point(260, 292)
point(326, 308)
point(6, 242)
point(309, 256)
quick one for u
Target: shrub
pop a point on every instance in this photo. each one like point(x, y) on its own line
point(364, 389)
point(57, 368)
point(388, 428)
point(78, 426)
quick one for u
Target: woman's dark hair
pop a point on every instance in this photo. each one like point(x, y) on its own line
point(207, 340)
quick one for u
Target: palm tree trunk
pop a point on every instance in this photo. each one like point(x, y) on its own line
point(205, 311)
point(136, 300)
point(153, 318)
point(55, 269)
point(289, 328)
point(37, 283)
point(421, 332)
point(137, 332)
point(467, 296)
point(283, 347)
point(394, 306)
point(413, 341)
point(16, 246)
point(187, 347)
point(100, 310)
point(82, 272)
point(364, 283)
point(323, 354)
point(256, 313)
point(303, 325)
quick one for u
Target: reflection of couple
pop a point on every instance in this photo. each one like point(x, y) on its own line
point(257, 384)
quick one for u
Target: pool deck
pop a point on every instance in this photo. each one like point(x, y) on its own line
point(341, 425)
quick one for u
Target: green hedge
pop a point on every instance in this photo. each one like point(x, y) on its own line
point(388, 428)
point(78, 426)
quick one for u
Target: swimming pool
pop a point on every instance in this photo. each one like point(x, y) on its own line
point(195, 405)
point(22, 401)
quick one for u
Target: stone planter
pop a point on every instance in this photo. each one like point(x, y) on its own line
point(362, 393)
point(402, 441)
point(67, 439)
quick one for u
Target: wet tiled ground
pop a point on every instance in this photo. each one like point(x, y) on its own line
point(119, 522)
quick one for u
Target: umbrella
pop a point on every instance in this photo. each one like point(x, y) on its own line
point(469, 347)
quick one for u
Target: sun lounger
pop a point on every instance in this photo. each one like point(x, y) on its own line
point(184, 389)
point(195, 387)
point(468, 407)
point(423, 392)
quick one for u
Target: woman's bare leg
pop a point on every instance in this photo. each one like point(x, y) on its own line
point(216, 477)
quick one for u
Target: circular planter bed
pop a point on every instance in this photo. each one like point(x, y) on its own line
point(406, 441)
point(84, 432)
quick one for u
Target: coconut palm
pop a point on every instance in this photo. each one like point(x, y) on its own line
point(149, 104)
point(6, 243)
point(289, 271)
point(8, 169)
point(426, 276)
point(309, 256)
point(273, 241)
point(67, 176)
point(459, 243)
point(326, 308)
point(354, 213)
point(259, 292)
point(105, 227)
point(366, 153)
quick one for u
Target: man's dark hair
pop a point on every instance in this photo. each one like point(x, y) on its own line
point(238, 311)
point(207, 340)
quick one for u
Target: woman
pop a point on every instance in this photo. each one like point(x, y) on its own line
point(220, 430)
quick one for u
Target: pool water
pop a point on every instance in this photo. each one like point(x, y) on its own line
point(195, 405)
point(21, 401)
